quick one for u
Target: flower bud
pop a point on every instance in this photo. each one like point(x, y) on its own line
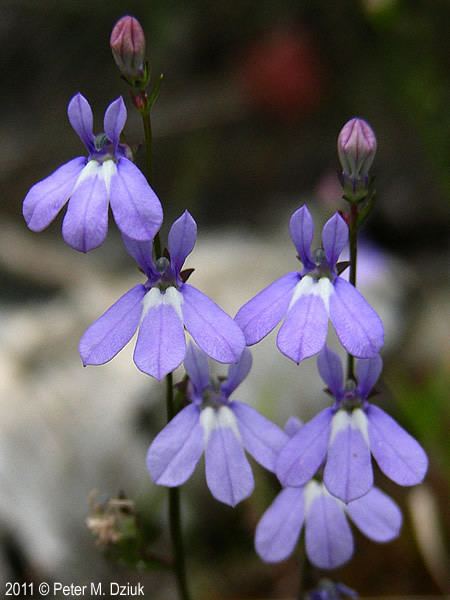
point(128, 47)
point(356, 146)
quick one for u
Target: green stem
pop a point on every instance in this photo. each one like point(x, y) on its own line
point(147, 123)
point(179, 564)
point(353, 235)
point(179, 567)
point(301, 579)
point(177, 542)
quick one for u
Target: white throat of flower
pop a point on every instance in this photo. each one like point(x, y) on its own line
point(109, 169)
point(170, 297)
point(106, 170)
point(218, 418)
point(356, 420)
point(313, 489)
point(307, 286)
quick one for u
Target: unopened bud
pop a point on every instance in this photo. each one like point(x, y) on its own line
point(356, 146)
point(128, 47)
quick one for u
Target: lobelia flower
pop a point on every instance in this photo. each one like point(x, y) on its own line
point(219, 427)
point(106, 177)
point(307, 299)
point(328, 537)
point(345, 435)
point(161, 309)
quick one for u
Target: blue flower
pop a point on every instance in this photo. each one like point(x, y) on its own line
point(344, 437)
point(328, 537)
point(306, 300)
point(161, 309)
point(90, 184)
point(219, 427)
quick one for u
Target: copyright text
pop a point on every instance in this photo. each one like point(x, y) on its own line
point(72, 590)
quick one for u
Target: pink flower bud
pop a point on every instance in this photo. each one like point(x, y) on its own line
point(356, 146)
point(128, 47)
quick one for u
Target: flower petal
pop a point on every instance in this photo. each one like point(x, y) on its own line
point(260, 437)
point(305, 451)
point(262, 313)
point(278, 530)
point(161, 344)
point(367, 374)
point(397, 453)
point(142, 254)
point(212, 329)
point(301, 229)
point(330, 369)
point(135, 206)
point(114, 121)
point(80, 117)
point(376, 515)
point(86, 222)
point(237, 373)
point(348, 471)
point(176, 450)
point(113, 330)
point(328, 538)
point(305, 328)
point(228, 474)
point(334, 238)
point(181, 240)
point(197, 368)
point(46, 198)
point(357, 325)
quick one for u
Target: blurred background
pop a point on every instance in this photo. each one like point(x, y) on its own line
point(254, 95)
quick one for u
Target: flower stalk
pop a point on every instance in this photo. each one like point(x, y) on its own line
point(128, 45)
point(179, 563)
point(147, 126)
point(129, 53)
point(144, 102)
point(361, 205)
point(353, 243)
point(356, 147)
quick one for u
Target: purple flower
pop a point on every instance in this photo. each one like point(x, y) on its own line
point(328, 537)
point(161, 309)
point(345, 435)
point(106, 176)
point(218, 426)
point(305, 300)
